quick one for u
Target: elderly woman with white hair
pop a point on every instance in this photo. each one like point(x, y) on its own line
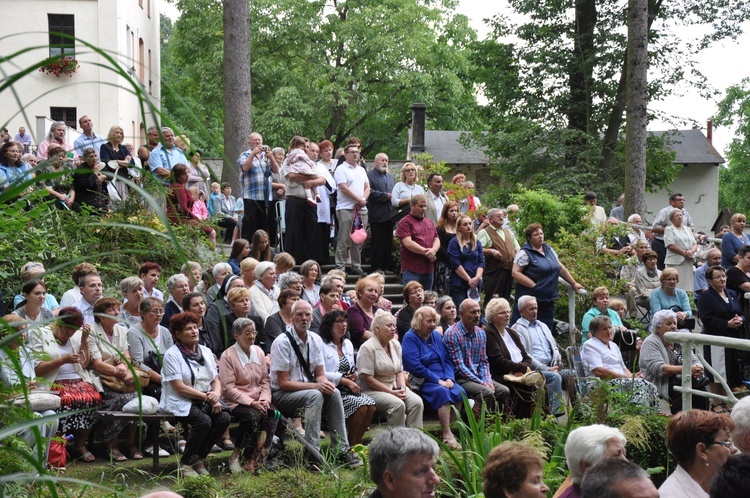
point(132, 293)
point(263, 293)
point(178, 286)
point(603, 359)
point(661, 363)
point(428, 363)
point(381, 374)
point(741, 418)
point(681, 249)
point(220, 272)
point(586, 446)
point(247, 393)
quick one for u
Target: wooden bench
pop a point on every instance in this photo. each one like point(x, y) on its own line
point(152, 421)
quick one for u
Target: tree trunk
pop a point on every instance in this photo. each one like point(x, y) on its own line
point(237, 97)
point(582, 66)
point(612, 132)
point(637, 115)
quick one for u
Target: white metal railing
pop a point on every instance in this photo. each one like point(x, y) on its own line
point(688, 340)
point(571, 304)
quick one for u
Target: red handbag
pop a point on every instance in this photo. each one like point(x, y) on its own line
point(58, 454)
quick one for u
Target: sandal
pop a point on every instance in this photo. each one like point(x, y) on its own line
point(116, 455)
point(85, 455)
point(720, 408)
point(452, 444)
point(135, 454)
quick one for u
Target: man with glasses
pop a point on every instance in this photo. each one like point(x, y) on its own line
point(299, 384)
point(676, 201)
point(499, 246)
point(353, 191)
point(466, 345)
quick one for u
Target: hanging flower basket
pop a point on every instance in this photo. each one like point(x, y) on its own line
point(66, 65)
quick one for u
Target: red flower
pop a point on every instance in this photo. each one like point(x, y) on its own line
point(66, 65)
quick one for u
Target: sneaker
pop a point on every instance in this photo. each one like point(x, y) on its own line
point(150, 452)
point(349, 459)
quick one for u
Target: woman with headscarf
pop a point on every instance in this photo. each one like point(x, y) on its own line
point(61, 357)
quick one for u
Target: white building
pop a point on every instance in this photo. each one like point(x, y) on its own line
point(127, 30)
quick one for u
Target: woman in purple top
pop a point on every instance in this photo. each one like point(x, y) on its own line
point(361, 314)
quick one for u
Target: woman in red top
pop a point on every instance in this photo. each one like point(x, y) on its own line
point(179, 202)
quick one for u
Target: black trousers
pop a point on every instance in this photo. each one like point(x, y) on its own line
point(661, 252)
point(205, 431)
point(255, 218)
point(381, 247)
point(301, 225)
point(228, 225)
point(497, 282)
point(322, 243)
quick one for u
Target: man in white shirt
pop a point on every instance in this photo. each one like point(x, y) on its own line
point(541, 346)
point(88, 138)
point(299, 383)
point(91, 292)
point(354, 189)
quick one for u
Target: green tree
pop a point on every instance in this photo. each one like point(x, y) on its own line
point(562, 124)
point(331, 70)
point(734, 181)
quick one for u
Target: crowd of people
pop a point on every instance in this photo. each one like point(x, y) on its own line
point(255, 339)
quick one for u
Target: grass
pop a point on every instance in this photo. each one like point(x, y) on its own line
point(133, 478)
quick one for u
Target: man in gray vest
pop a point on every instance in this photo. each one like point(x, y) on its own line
point(499, 246)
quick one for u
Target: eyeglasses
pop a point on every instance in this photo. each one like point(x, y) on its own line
point(341, 320)
point(504, 312)
point(720, 277)
point(727, 444)
point(157, 312)
point(410, 171)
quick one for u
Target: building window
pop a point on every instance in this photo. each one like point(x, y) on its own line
point(59, 44)
point(150, 82)
point(65, 114)
point(141, 61)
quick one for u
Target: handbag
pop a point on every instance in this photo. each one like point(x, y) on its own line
point(626, 340)
point(39, 401)
point(154, 360)
point(118, 385)
point(401, 212)
point(358, 235)
point(57, 456)
point(533, 379)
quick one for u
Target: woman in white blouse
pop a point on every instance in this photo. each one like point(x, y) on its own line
point(681, 249)
point(192, 392)
point(263, 293)
point(381, 374)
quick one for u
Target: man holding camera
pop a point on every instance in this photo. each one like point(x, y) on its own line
point(257, 164)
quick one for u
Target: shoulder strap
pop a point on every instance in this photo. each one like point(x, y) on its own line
point(304, 364)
